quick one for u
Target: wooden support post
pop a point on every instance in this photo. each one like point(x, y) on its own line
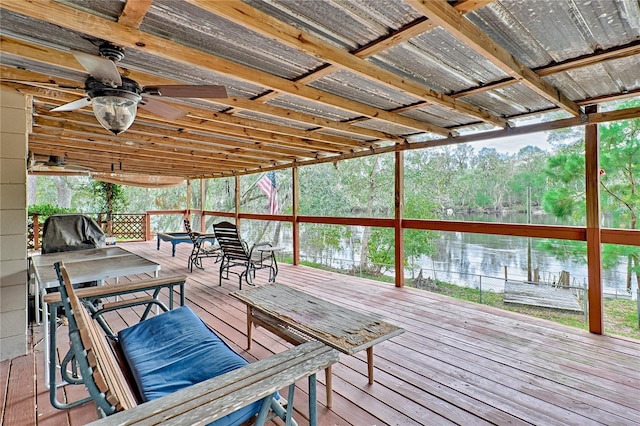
point(147, 227)
point(594, 255)
point(203, 225)
point(295, 178)
point(237, 202)
point(399, 211)
point(36, 232)
point(188, 203)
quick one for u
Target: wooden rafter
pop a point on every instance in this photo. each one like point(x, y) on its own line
point(619, 52)
point(67, 61)
point(467, 6)
point(67, 17)
point(269, 26)
point(134, 12)
point(466, 32)
point(401, 35)
point(229, 126)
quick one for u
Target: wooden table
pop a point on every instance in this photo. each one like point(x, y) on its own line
point(83, 266)
point(299, 317)
point(268, 254)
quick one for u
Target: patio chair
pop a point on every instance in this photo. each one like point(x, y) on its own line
point(203, 246)
point(236, 254)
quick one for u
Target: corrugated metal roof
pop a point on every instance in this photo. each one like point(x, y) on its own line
point(367, 72)
point(348, 24)
point(439, 61)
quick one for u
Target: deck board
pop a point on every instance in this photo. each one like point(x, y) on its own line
point(457, 362)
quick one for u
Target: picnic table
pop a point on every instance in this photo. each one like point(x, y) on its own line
point(299, 317)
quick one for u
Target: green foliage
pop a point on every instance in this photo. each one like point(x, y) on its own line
point(560, 202)
point(47, 209)
point(109, 197)
point(619, 189)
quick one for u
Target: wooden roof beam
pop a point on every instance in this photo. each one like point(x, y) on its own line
point(221, 124)
point(262, 23)
point(467, 6)
point(130, 164)
point(77, 20)
point(467, 33)
point(166, 148)
point(76, 140)
point(618, 52)
point(72, 120)
point(69, 62)
point(134, 12)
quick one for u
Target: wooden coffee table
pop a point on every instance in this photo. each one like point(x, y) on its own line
point(298, 317)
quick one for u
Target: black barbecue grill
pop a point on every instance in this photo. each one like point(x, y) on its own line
point(69, 232)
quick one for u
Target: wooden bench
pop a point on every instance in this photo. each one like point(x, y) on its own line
point(200, 403)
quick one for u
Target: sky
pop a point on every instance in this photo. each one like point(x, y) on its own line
point(513, 144)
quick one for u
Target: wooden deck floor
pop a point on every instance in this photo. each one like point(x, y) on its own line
point(457, 363)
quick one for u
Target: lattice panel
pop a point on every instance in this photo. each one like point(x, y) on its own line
point(128, 227)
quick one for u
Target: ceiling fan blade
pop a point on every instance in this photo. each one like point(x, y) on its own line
point(100, 68)
point(80, 103)
point(187, 91)
point(161, 109)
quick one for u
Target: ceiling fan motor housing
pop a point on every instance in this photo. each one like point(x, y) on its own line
point(111, 51)
point(129, 89)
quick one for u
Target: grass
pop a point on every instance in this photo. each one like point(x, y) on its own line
point(620, 315)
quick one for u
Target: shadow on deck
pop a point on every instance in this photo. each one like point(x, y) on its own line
point(457, 362)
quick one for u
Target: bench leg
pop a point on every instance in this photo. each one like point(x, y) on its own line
point(264, 411)
point(249, 328)
point(329, 380)
point(313, 401)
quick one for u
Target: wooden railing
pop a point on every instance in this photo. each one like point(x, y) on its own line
point(123, 226)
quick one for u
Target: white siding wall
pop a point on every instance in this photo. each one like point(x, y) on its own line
point(15, 123)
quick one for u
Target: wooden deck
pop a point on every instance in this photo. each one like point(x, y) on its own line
point(457, 363)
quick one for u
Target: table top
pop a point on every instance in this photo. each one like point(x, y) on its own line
point(176, 235)
point(268, 249)
point(337, 326)
point(90, 265)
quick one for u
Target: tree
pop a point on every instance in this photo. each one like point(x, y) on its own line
point(109, 198)
point(619, 184)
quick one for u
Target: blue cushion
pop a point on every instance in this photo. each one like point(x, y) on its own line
point(175, 350)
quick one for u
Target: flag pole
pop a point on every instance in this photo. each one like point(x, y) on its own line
point(254, 184)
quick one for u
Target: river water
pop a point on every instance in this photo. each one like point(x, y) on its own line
point(488, 255)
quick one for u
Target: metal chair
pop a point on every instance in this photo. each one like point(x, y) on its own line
point(203, 246)
point(236, 254)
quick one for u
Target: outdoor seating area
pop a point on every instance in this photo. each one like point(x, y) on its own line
point(386, 132)
point(232, 391)
point(204, 246)
point(456, 362)
point(237, 256)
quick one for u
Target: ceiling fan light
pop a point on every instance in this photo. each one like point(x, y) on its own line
point(116, 113)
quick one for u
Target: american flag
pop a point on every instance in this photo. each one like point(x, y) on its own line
point(268, 185)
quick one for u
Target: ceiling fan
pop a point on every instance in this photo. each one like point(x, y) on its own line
point(115, 98)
